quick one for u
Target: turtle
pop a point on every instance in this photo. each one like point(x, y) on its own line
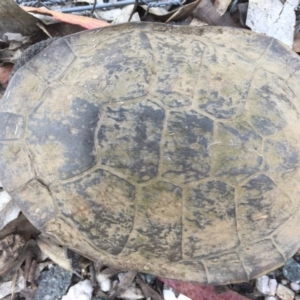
point(171, 150)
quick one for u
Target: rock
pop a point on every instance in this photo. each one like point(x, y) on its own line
point(53, 284)
point(270, 298)
point(169, 294)
point(6, 288)
point(262, 284)
point(273, 286)
point(81, 291)
point(291, 270)
point(295, 286)
point(284, 281)
point(132, 293)
point(297, 297)
point(284, 293)
point(150, 278)
point(104, 282)
point(124, 15)
point(183, 297)
point(8, 210)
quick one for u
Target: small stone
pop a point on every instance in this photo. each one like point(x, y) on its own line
point(132, 293)
point(104, 283)
point(53, 283)
point(291, 270)
point(262, 284)
point(183, 297)
point(273, 286)
point(169, 294)
point(284, 281)
point(270, 298)
point(82, 291)
point(295, 286)
point(150, 278)
point(284, 293)
point(6, 288)
point(8, 209)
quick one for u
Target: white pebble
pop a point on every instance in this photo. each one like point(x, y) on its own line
point(284, 293)
point(270, 298)
point(295, 286)
point(284, 281)
point(169, 294)
point(81, 291)
point(273, 286)
point(132, 293)
point(8, 209)
point(6, 288)
point(183, 297)
point(262, 284)
point(105, 285)
point(104, 282)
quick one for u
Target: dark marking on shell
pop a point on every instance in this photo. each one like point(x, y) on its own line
point(68, 135)
point(101, 206)
point(237, 151)
point(258, 209)
point(188, 135)
point(45, 67)
point(130, 139)
point(209, 205)
point(157, 228)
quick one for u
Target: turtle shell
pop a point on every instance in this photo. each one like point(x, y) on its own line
point(168, 150)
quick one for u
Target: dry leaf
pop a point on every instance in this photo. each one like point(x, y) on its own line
point(85, 22)
point(207, 13)
point(202, 292)
point(296, 46)
point(221, 6)
point(14, 19)
point(183, 12)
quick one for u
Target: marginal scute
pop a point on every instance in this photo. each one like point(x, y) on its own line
point(101, 206)
point(260, 251)
point(99, 69)
point(279, 60)
point(209, 207)
point(225, 269)
point(236, 151)
point(60, 134)
point(129, 139)
point(188, 134)
point(45, 67)
point(11, 127)
point(261, 204)
point(186, 268)
point(15, 166)
point(36, 202)
point(287, 236)
point(174, 86)
point(26, 93)
point(269, 104)
point(157, 227)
